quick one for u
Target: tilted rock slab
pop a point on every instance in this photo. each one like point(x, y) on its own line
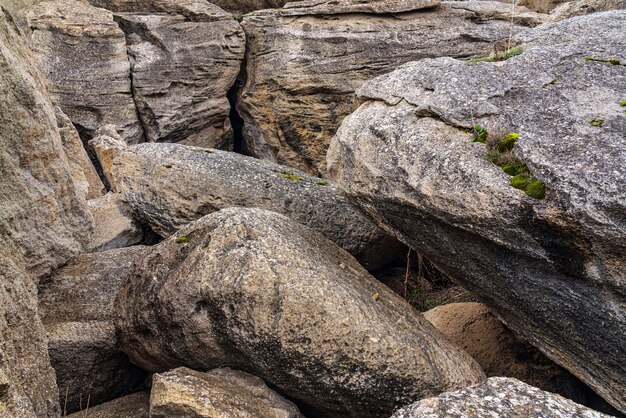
point(498, 397)
point(170, 185)
point(76, 306)
point(219, 393)
point(185, 56)
point(254, 290)
point(136, 405)
point(114, 225)
point(305, 61)
point(552, 269)
point(82, 52)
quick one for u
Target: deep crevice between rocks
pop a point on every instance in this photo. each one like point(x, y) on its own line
point(86, 136)
point(236, 121)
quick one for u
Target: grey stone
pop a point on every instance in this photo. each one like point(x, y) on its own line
point(136, 405)
point(498, 397)
point(76, 305)
point(114, 226)
point(219, 393)
point(253, 290)
point(304, 64)
point(170, 185)
point(552, 269)
point(584, 7)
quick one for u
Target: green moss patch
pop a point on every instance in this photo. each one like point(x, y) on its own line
point(205, 150)
point(499, 56)
point(183, 239)
point(596, 123)
point(612, 61)
point(321, 183)
point(290, 176)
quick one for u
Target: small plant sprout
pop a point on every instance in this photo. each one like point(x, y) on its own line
point(480, 133)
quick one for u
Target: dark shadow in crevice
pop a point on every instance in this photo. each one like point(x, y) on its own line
point(86, 136)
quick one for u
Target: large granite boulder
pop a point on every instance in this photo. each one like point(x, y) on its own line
point(552, 268)
point(82, 52)
point(170, 185)
point(219, 393)
point(498, 397)
point(185, 56)
point(76, 306)
point(305, 61)
point(256, 291)
point(584, 7)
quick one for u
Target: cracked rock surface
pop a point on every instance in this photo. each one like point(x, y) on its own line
point(552, 269)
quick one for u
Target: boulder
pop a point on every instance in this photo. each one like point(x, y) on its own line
point(305, 61)
point(82, 52)
point(170, 185)
point(43, 211)
point(136, 405)
point(76, 305)
point(219, 393)
point(115, 226)
point(475, 329)
point(552, 267)
point(185, 56)
point(254, 290)
point(498, 397)
point(584, 7)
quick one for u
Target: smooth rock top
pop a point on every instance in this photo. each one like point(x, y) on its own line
point(219, 393)
point(552, 268)
point(255, 290)
point(498, 397)
point(326, 7)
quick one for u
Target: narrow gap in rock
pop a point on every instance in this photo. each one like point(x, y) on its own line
point(85, 137)
point(236, 120)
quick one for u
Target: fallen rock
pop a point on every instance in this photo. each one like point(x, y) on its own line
point(218, 393)
point(76, 305)
point(553, 268)
point(185, 56)
point(305, 61)
point(170, 185)
point(263, 294)
point(136, 405)
point(475, 329)
point(583, 7)
point(499, 397)
point(84, 175)
point(43, 212)
point(82, 52)
point(115, 226)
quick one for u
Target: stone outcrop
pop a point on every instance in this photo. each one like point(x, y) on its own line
point(475, 329)
point(82, 52)
point(136, 405)
point(552, 268)
point(584, 7)
point(76, 304)
point(185, 56)
point(239, 7)
point(501, 397)
point(114, 225)
point(218, 393)
point(170, 185)
point(263, 294)
point(304, 63)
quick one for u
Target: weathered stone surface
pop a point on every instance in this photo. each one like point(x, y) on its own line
point(263, 294)
point(82, 53)
point(541, 6)
point(584, 7)
point(500, 397)
point(84, 175)
point(115, 226)
point(170, 185)
point(136, 405)
point(240, 7)
point(219, 393)
point(552, 269)
point(42, 211)
point(302, 71)
point(475, 329)
point(334, 7)
point(185, 56)
point(76, 305)
point(27, 388)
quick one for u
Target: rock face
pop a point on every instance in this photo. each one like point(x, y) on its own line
point(501, 397)
point(114, 224)
point(553, 268)
point(218, 393)
point(258, 292)
point(76, 305)
point(304, 63)
point(475, 329)
point(136, 405)
point(170, 185)
point(584, 7)
point(185, 56)
point(82, 52)
point(240, 7)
